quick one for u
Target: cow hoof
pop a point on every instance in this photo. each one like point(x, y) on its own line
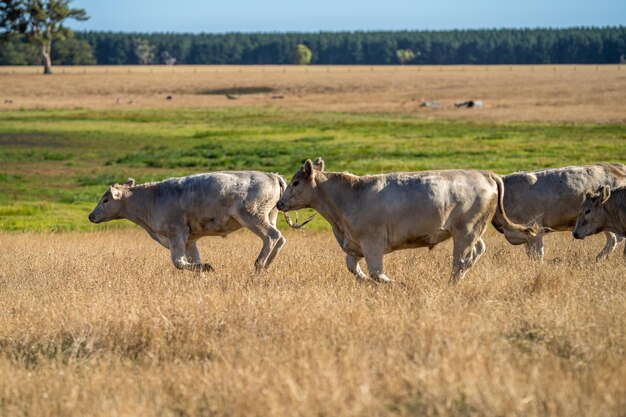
point(383, 279)
point(207, 268)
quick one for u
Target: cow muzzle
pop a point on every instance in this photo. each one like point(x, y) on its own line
point(576, 235)
point(92, 218)
point(280, 205)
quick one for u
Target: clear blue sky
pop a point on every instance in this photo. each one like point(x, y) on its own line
point(337, 15)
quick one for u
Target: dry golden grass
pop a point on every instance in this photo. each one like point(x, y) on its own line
point(102, 325)
point(564, 93)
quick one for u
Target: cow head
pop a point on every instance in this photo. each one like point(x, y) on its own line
point(591, 216)
point(111, 203)
point(302, 189)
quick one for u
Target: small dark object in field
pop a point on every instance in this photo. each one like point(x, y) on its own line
point(131, 101)
point(430, 104)
point(469, 104)
point(169, 97)
point(8, 101)
point(231, 97)
point(277, 97)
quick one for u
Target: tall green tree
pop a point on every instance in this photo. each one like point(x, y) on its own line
point(144, 51)
point(405, 56)
point(301, 55)
point(40, 21)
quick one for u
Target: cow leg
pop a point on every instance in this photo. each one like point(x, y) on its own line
point(193, 256)
point(352, 262)
point(468, 244)
point(374, 258)
point(269, 234)
point(277, 247)
point(534, 248)
point(273, 216)
point(192, 253)
point(611, 243)
point(178, 250)
point(461, 257)
point(477, 251)
point(281, 241)
point(468, 247)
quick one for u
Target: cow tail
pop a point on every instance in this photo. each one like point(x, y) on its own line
point(281, 184)
point(531, 230)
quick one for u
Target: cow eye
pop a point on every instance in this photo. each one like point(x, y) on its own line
point(295, 183)
point(587, 211)
point(106, 200)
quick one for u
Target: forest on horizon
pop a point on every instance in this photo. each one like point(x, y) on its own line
point(583, 45)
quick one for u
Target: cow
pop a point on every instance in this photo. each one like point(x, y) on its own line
point(604, 211)
point(550, 198)
point(377, 214)
point(178, 211)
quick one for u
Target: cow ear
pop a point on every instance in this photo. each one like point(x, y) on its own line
point(606, 193)
point(308, 168)
point(130, 182)
point(319, 164)
point(116, 193)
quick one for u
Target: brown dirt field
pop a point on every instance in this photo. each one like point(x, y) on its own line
point(565, 93)
point(101, 324)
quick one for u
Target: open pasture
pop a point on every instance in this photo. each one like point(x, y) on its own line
point(101, 324)
point(544, 93)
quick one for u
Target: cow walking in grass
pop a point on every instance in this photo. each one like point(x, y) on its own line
point(604, 211)
point(377, 214)
point(551, 198)
point(177, 212)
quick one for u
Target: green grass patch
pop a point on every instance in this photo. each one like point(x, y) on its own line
point(67, 158)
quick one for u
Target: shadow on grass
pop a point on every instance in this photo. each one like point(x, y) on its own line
point(258, 89)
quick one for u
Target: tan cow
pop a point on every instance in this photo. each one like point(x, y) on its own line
point(377, 214)
point(604, 211)
point(178, 211)
point(550, 198)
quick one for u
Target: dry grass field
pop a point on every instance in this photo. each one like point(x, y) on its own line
point(562, 93)
point(100, 324)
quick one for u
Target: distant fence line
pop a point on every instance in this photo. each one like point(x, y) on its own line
point(190, 69)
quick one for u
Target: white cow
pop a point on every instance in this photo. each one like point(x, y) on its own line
point(550, 198)
point(178, 211)
point(377, 214)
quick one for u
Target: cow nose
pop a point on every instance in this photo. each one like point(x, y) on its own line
point(576, 235)
point(279, 206)
point(91, 217)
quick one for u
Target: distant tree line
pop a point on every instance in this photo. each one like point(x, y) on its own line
point(463, 47)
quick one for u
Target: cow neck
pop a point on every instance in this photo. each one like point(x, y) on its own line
point(328, 206)
point(139, 211)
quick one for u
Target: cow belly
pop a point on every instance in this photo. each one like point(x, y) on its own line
point(420, 241)
point(216, 226)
